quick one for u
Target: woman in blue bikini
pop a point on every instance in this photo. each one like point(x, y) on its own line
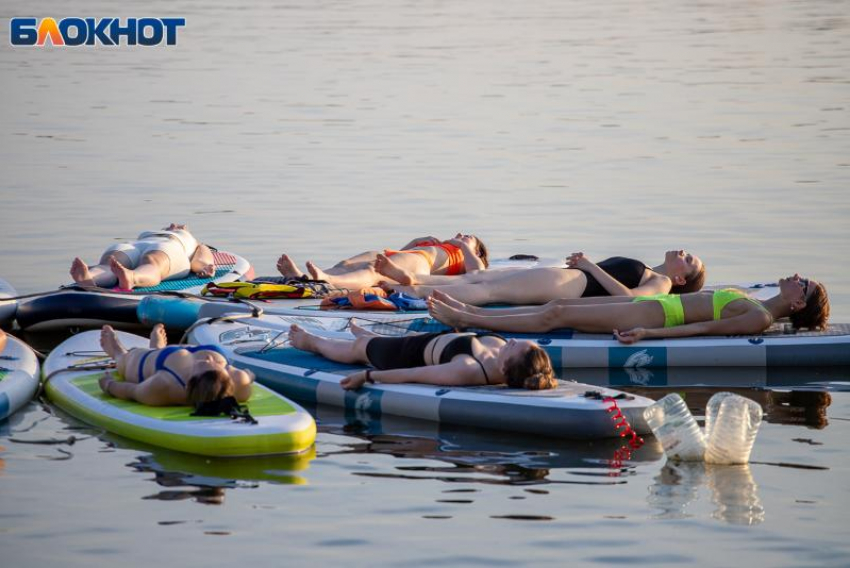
point(172, 375)
point(719, 312)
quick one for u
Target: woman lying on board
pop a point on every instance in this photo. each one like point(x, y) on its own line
point(425, 256)
point(154, 256)
point(719, 312)
point(173, 375)
point(447, 359)
point(617, 276)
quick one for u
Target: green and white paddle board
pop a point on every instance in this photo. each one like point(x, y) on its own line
point(72, 384)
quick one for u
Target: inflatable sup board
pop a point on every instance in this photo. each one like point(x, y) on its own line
point(85, 309)
point(18, 376)
point(572, 411)
point(72, 384)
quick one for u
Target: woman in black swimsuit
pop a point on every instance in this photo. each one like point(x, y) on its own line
point(680, 272)
point(447, 359)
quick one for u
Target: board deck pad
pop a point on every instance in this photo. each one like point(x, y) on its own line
point(261, 403)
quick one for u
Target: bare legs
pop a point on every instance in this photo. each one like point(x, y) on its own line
point(591, 318)
point(526, 286)
point(339, 350)
point(115, 268)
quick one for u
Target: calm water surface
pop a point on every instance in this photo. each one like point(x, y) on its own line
point(326, 128)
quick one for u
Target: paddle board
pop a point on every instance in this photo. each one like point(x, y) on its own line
point(283, 426)
point(779, 346)
point(573, 410)
point(18, 376)
point(87, 309)
point(7, 307)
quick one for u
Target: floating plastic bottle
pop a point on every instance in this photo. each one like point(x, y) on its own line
point(675, 427)
point(711, 410)
point(733, 429)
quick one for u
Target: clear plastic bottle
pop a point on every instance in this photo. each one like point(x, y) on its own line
point(733, 431)
point(676, 429)
point(711, 410)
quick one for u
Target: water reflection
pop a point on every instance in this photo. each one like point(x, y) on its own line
point(734, 492)
point(480, 456)
point(794, 407)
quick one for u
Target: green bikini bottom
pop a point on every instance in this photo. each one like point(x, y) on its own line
point(674, 313)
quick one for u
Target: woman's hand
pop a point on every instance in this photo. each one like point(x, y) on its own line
point(580, 261)
point(630, 336)
point(175, 227)
point(207, 271)
point(354, 381)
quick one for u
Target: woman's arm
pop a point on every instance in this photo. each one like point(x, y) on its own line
point(151, 392)
point(2, 340)
point(454, 373)
point(753, 321)
point(203, 263)
point(420, 242)
point(242, 381)
point(471, 260)
point(655, 284)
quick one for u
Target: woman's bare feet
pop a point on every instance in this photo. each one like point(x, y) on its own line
point(385, 266)
point(301, 338)
point(109, 342)
point(124, 275)
point(317, 273)
point(446, 314)
point(287, 267)
point(158, 337)
point(358, 331)
point(80, 273)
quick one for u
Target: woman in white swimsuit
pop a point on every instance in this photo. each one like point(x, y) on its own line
point(155, 256)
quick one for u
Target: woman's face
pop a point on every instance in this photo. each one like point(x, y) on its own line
point(796, 289)
point(513, 351)
point(681, 263)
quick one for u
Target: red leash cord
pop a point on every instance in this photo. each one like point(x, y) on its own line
point(621, 423)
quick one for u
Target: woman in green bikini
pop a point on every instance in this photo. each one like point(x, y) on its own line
point(721, 312)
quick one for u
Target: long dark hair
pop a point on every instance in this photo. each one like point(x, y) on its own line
point(210, 385)
point(815, 313)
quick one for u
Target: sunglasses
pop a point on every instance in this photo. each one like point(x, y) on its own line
point(804, 284)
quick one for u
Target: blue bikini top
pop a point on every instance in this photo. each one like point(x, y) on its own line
point(159, 363)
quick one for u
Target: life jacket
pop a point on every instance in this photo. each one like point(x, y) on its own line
point(264, 290)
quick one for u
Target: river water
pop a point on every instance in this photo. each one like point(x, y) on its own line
point(322, 129)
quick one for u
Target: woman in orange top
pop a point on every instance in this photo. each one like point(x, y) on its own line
point(427, 255)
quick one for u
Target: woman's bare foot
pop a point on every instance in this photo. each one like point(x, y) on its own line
point(109, 342)
point(317, 273)
point(158, 337)
point(358, 331)
point(385, 266)
point(80, 272)
point(301, 338)
point(124, 275)
point(446, 314)
point(287, 267)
